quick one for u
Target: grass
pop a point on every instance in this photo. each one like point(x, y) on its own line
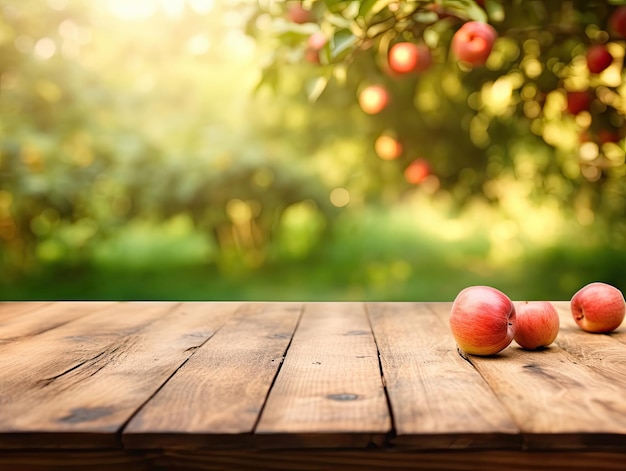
point(374, 256)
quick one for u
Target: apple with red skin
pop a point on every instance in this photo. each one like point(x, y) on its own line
point(482, 320)
point(405, 57)
point(598, 307)
point(473, 42)
point(317, 40)
point(417, 171)
point(387, 147)
point(598, 58)
point(536, 324)
point(617, 21)
point(424, 58)
point(373, 99)
point(298, 14)
point(578, 101)
point(314, 44)
point(606, 135)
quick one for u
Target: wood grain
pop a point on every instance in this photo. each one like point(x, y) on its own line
point(77, 385)
point(604, 353)
point(10, 309)
point(217, 396)
point(329, 390)
point(201, 386)
point(438, 399)
point(92, 460)
point(38, 318)
point(555, 401)
point(376, 460)
point(311, 460)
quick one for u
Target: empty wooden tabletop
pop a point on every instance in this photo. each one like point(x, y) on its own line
point(209, 385)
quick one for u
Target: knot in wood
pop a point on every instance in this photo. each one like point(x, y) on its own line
point(343, 397)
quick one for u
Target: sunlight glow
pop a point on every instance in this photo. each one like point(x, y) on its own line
point(198, 44)
point(173, 8)
point(45, 48)
point(340, 197)
point(138, 10)
point(201, 7)
point(132, 10)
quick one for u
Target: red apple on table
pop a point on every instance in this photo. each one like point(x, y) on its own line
point(373, 99)
point(617, 21)
point(536, 324)
point(405, 57)
point(598, 58)
point(482, 320)
point(598, 307)
point(473, 42)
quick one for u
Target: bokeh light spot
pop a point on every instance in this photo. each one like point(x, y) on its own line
point(340, 197)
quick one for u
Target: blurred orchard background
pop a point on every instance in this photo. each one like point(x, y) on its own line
point(226, 149)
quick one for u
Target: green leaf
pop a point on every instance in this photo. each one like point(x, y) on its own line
point(370, 8)
point(316, 87)
point(269, 77)
point(426, 17)
point(342, 41)
point(281, 26)
point(495, 10)
point(467, 9)
point(338, 21)
point(332, 3)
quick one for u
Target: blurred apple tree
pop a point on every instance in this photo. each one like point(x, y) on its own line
point(109, 119)
point(254, 122)
point(543, 118)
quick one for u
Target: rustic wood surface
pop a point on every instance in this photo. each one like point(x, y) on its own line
point(228, 385)
point(218, 394)
point(437, 398)
point(556, 400)
point(78, 384)
point(329, 390)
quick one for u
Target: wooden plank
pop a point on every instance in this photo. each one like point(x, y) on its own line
point(376, 460)
point(42, 317)
point(603, 353)
point(75, 386)
point(438, 400)
point(10, 309)
point(329, 391)
point(311, 460)
point(80, 460)
point(556, 401)
point(217, 395)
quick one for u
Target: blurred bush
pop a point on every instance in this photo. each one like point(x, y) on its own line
point(214, 134)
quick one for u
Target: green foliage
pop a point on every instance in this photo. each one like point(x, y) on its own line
point(476, 126)
point(215, 140)
point(104, 124)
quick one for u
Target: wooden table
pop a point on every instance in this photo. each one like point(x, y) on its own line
point(315, 386)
